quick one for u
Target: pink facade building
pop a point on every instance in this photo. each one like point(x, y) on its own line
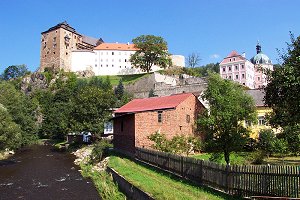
point(249, 73)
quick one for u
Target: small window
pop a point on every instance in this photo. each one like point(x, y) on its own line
point(258, 78)
point(261, 120)
point(230, 59)
point(188, 118)
point(106, 65)
point(243, 75)
point(95, 65)
point(125, 60)
point(159, 116)
point(120, 66)
point(242, 66)
point(229, 68)
point(223, 69)
point(236, 67)
point(101, 65)
point(112, 53)
point(236, 76)
point(233, 59)
point(112, 65)
point(229, 77)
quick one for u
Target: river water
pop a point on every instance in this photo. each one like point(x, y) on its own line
point(39, 173)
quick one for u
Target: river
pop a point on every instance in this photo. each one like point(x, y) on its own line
point(40, 173)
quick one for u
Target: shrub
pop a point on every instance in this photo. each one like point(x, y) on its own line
point(99, 151)
point(266, 141)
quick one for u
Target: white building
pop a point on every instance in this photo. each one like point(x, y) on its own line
point(249, 73)
point(111, 59)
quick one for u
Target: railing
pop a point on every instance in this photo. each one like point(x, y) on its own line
point(246, 180)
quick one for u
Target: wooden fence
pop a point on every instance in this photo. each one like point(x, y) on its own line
point(246, 180)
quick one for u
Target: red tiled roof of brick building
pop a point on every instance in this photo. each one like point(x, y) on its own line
point(154, 103)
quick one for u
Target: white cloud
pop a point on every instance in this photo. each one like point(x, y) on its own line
point(214, 56)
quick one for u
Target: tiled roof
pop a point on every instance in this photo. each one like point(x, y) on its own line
point(258, 96)
point(63, 25)
point(90, 40)
point(116, 46)
point(153, 103)
point(235, 55)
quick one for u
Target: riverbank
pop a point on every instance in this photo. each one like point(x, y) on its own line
point(103, 181)
point(6, 154)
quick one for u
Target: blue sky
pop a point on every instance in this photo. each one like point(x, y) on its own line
point(211, 28)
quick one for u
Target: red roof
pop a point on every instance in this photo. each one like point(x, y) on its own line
point(153, 103)
point(116, 46)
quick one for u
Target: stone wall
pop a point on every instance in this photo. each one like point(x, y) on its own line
point(163, 85)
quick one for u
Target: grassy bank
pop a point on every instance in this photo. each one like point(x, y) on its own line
point(159, 184)
point(103, 182)
point(126, 79)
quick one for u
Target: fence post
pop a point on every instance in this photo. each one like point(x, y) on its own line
point(181, 162)
point(201, 172)
point(227, 179)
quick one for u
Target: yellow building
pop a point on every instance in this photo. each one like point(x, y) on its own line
point(262, 111)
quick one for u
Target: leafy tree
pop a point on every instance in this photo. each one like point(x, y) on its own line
point(222, 123)
point(266, 141)
point(292, 135)
point(14, 71)
point(282, 91)
point(22, 110)
point(193, 60)
point(92, 106)
point(10, 132)
point(151, 50)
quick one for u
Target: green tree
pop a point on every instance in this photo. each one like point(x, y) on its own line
point(151, 50)
point(10, 132)
point(14, 71)
point(119, 90)
point(92, 106)
point(282, 91)
point(266, 141)
point(222, 123)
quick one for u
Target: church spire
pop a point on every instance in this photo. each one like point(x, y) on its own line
point(258, 48)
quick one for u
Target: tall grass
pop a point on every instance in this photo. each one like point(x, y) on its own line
point(103, 182)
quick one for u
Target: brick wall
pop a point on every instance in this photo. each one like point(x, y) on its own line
point(174, 122)
point(124, 140)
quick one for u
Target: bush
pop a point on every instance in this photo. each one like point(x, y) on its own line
point(257, 157)
point(179, 144)
point(99, 151)
point(266, 141)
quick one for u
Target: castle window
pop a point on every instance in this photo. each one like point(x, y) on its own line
point(112, 53)
point(106, 65)
point(229, 77)
point(125, 60)
point(233, 59)
point(100, 65)
point(223, 69)
point(120, 67)
point(125, 66)
point(66, 53)
point(242, 66)
point(243, 75)
point(95, 65)
point(230, 59)
point(236, 76)
point(54, 52)
point(112, 65)
point(236, 67)
point(229, 68)
point(258, 78)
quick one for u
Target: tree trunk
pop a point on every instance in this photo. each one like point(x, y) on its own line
point(226, 156)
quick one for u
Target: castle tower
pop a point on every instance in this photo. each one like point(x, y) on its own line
point(58, 42)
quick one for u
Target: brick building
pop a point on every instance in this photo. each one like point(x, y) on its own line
point(171, 115)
